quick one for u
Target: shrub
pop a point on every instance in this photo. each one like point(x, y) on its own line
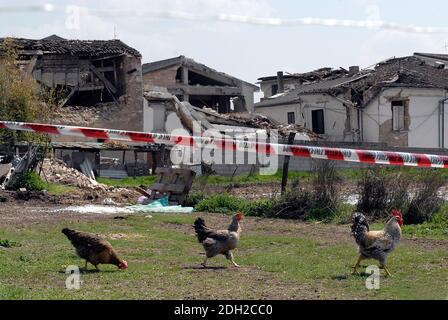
point(381, 191)
point(221, 203)
point(426, 201)
point(193, 199)
point(30, 181)
point(259, 208)
point(325, 197)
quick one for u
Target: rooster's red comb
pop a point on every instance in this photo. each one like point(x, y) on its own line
point(396, 212)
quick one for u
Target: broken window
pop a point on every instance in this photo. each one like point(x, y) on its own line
point(291, 118)
point(274, 89)
point(398, 120)
point(317, 117)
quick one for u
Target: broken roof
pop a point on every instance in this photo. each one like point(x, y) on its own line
point(293, 96)
point(84, 48)
point(312, 76)
point(211, 119)
point(366, 85)
point(436, 56)
point(194, 66)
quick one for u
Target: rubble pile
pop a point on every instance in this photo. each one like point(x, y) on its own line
point(85, 116)
point(56, 171)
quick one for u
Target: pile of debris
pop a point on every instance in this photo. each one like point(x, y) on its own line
point(85, 116)
point(56, 171)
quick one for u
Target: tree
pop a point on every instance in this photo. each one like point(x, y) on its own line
point(21, 97)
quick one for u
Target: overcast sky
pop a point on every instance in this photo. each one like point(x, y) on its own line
point(246, 51)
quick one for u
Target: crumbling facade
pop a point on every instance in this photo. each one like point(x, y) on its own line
point(86, 73)
point(200, 85)
point(399, 102)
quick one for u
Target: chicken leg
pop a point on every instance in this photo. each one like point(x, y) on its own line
point(386, 270)
point(204, 264)
point(360, 258)
point(229, 256)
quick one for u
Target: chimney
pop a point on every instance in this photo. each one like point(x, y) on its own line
point(280, 84)
point(353, 70)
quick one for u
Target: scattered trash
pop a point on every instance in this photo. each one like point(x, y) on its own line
point(143, 200)
point(109, 202)
point(161, 205)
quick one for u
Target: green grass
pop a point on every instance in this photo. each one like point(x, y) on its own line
point(353, 174)
point(128, 182)
point(58, 189)
point(280, 259)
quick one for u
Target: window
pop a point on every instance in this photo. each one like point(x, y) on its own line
point(274, 89)
point(291, 118)
point(318, 122)
point(398, 116)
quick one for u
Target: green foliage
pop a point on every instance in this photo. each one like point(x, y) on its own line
point(20, 98)
point(5, 243)
point(437, 226)
point(128, 182)
point(221, 203)
point(193, 199)
point(29, 180)
point(320, 203)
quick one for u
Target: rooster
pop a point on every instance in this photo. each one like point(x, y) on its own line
point(94, 249)
point(376, 244)
point(220, 241)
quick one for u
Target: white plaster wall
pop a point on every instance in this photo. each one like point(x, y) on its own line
point(153, 117)
point(423, 111)
point(266, 86)
point(334, 114)
point(248, 93)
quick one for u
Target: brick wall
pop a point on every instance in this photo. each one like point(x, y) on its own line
point(161, 78)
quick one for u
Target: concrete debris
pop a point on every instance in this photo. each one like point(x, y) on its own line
point(56, 171)
point(86, 116)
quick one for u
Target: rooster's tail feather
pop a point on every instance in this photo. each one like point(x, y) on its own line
point(201, 229)
point(359, 225)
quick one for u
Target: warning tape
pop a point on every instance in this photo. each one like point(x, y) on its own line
point(338, 154)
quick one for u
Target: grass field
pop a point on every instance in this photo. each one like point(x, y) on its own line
point(246, 179)
point(280, 260)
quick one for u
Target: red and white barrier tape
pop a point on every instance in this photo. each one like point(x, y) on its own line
point(339, 154)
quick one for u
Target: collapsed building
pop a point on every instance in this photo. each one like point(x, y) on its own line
point(86, 73)
point(399, 102)
point(165, 113)
point(98, 83)
point(200, 85)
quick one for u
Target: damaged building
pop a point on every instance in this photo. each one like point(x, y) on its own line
point(86, 73)
point(399, 102)
point(98, 83)
point(165, 113)
point(200, 85)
